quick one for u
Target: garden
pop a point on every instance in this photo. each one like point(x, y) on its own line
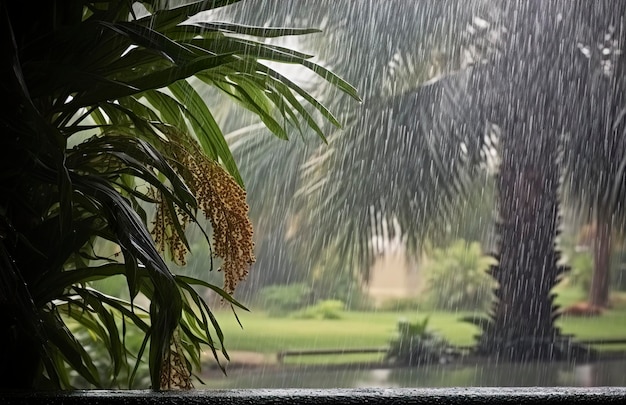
point(331, 325)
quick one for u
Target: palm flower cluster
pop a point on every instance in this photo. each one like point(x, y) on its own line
point(175, 371)
point(166, 238)
point(223, 202)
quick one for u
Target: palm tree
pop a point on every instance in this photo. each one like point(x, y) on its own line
point(518, 91)
point(595, 153)
point(101, 128)
point(379, 42)
point(419, 146)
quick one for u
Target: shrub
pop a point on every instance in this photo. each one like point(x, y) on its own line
point(332, 282)
point(581, 264)
point(458, 278)
point(402, 304)
point(416, 344)
point(327, 309)
point(283, 299)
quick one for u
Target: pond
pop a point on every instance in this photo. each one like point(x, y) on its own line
point(606, 373)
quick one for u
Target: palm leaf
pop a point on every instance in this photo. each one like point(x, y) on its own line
point(163, 19)
point(90, 144)
point(204, 126)
point(71, 350)
point(265, 32)
point(411, 184)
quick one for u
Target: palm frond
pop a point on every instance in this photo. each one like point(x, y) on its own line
point(109, 131)
point(411, 166)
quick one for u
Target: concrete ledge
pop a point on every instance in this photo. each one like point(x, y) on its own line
point(604, 395)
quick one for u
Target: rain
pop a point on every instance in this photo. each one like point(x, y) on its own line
point(458, 193)
point(459, 223)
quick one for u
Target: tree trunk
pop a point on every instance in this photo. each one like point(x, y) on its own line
point(522, 326)
point(602, 243)
point(530, 114)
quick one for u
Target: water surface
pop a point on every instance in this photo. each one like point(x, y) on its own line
point(607, 373)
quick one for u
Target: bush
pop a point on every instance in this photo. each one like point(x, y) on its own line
point(327, 309)
point(458, 278)
point(415, 344)
point(618, 278)
point(581, 264)
point(283, 299)
point(331, 281)
point(402, 304)
point(357, 300)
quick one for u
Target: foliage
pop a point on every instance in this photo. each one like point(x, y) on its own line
point(582, 268)
point(359, 300)
point(318, 212)
point(416, 344)
point(325, 309)
point(102, 124)
point(133, 338)
point(619, 277)
point(520, 71)
point(581, 264)
point(457, 277)
point(332, 281)
point(593, 173)
point(280, 300)
point(402, 167)
point(402, 304)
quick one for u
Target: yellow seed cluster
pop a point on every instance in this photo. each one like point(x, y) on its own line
point(223, 202)
point(164, 233)
point(175, 372)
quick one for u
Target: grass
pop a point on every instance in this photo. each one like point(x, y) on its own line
point(269, 336)
point(264, 334)
point(354, 330)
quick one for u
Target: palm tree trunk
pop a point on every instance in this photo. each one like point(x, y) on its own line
point(602, 246)
point(522, 325)
point(530, 114)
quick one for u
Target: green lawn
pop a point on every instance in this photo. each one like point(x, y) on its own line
point(354, 330)
point(267, 335)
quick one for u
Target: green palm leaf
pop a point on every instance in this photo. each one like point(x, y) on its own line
point(106, 111)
